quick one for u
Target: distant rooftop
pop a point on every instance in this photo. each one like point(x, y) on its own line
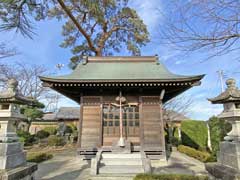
point(68, 113)
point(50, 116)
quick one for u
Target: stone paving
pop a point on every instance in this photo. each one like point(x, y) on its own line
point(180, 163)
point(66, 166)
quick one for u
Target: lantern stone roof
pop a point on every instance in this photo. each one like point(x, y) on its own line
point(129, 68)
point(12, 95)
point(231, 94)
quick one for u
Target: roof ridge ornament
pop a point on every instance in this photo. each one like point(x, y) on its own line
point(157, 59)
point(84, 60)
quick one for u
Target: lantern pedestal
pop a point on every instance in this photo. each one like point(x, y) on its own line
point(11, 155)
point(229, 154)
point(23, 172)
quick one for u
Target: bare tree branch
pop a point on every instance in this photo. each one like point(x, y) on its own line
point(179, 105)
point(6, 52)
point(202, 25)
point(27, 76)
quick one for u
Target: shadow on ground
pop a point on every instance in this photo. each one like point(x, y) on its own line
point(70, 175)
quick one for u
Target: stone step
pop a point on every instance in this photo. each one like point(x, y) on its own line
point(110, 161)
point(113, 177)
point(120, 169)
point(121, 156)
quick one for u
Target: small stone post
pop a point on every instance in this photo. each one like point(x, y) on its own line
point(228, 165)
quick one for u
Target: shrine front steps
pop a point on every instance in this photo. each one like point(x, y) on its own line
point(120, 164)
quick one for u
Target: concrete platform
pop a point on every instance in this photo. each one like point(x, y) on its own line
point(66, 166)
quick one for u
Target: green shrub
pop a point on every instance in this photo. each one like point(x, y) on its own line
point(218, 129)
point(68, 130)
point(51, 130)
point(201, 156)
point(25, 137)
point(38, 157)
point(212, 158)
point(194, 134)
point(42, 134)
point(168, 177)
point(55, 141)
point(175, 141)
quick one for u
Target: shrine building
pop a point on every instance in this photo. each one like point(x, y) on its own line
point(121, 101)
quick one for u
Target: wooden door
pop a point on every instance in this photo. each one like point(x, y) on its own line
point(152, 126)
point(111, 123)
point(91, 123)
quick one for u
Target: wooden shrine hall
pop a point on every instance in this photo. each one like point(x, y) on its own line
point(121, 101)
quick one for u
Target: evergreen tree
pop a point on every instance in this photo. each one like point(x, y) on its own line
point(91, 27)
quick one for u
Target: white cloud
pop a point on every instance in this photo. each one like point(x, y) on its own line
point(148, 11)
point(66, 102)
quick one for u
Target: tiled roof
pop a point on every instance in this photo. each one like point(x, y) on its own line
point(120, 68)
point(68, 113)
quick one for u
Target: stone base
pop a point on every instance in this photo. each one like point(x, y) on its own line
point(125, 150)
point(25, 172)
point(229, 154)
point(221, 172)
point(11, 155)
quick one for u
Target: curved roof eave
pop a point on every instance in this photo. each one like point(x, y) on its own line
point(67, 80)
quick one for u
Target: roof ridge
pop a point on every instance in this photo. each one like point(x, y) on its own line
point(101, 59)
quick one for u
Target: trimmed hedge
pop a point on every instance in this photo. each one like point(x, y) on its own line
point(56, 141)
point(194, 134)
point(51, 130)
point(42, 134)
point(201, 156)
point(38, 157)
point(168, 177)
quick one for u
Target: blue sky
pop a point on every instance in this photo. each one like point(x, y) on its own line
point(44, 49)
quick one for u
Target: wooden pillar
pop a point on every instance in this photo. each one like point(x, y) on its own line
point(121, 120)
point(101, 123)
point(80, 122)
point(141, 122)
point(161, 119)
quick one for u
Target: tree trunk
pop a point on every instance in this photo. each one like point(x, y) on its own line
point(98, 52)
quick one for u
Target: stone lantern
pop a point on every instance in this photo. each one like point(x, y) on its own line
point(228, 165)
point(12, 157)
